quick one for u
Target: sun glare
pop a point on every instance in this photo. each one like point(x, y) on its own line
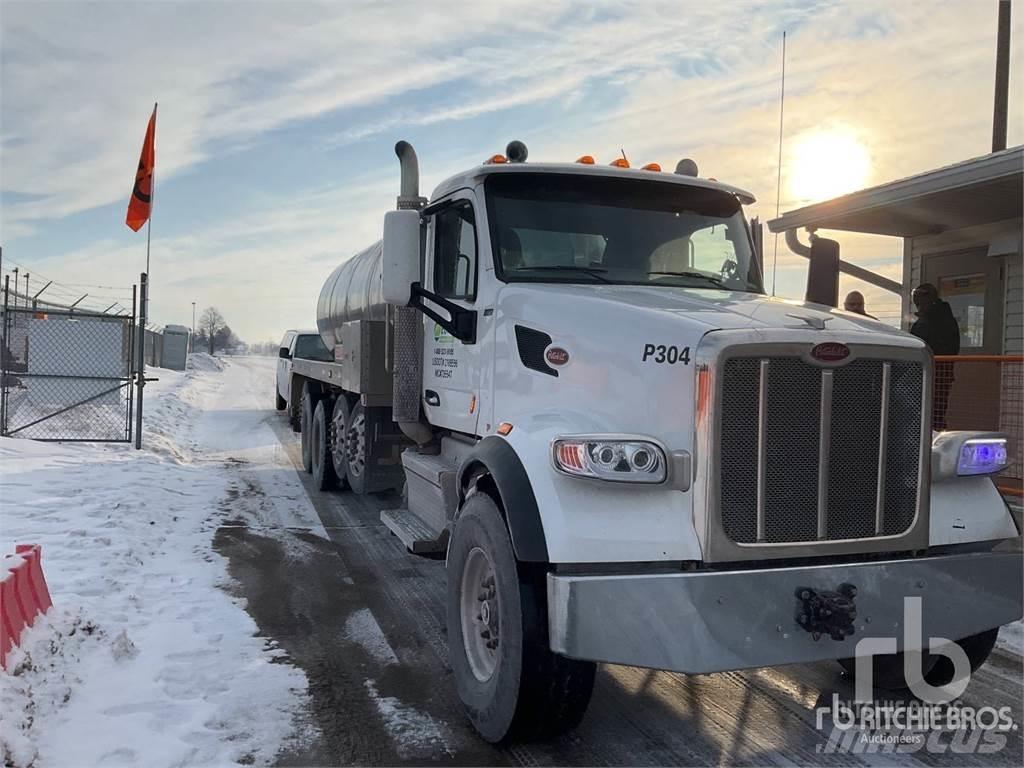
point(826, 164)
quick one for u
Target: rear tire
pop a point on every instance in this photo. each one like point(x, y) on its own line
point(512, 685)
point(358, 434)
point(320, 445)
point(279, 402)
point(339, 430)
point(306, 406)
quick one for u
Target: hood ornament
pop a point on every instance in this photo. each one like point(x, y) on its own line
point(817, 323)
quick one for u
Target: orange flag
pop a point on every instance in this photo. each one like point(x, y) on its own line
point(141, 203)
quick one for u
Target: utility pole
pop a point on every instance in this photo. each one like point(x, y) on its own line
point(26, 289)
point(1002, 94)
point(15, 271)
point(192, 339)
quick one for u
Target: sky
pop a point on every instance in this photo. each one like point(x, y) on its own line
point(277, 122)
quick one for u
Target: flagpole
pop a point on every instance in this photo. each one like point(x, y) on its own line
point(152, 205)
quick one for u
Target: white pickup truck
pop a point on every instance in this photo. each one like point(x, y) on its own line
point(628, 453)
point(295, 344)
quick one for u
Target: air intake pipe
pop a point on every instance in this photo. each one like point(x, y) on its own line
point(407, 327)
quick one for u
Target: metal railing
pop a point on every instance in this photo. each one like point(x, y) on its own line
point(984, 392)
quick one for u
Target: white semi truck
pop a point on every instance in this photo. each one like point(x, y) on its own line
point(628, 453)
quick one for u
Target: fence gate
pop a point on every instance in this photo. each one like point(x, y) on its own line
point(66, 375)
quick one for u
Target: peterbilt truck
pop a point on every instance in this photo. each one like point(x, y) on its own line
point(626, 452)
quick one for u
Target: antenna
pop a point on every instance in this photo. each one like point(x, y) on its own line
point(778, 180)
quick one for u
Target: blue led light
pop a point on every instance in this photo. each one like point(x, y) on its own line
point(982, 456)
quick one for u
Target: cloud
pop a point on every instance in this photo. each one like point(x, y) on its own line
point(661, 79)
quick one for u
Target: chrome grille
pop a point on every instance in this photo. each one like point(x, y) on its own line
point(809, 453)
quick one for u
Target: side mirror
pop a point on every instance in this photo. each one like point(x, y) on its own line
point(283, 353)
point(400, 267)
point(823, 272)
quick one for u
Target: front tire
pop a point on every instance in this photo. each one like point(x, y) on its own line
point(512, 685)
point(279, 402)
point(320, 446)
point(977, 647)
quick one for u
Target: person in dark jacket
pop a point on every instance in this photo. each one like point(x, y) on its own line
point(937, 327)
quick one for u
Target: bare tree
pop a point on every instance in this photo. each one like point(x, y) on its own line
point(211, 323)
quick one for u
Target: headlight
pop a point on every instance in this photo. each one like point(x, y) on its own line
point(982, 456)
point(621, 460)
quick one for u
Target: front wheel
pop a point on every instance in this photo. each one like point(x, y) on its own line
point(512, 685)
point(279, 402)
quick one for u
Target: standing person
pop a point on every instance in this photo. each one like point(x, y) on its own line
point(854, 302)
point(936, 327)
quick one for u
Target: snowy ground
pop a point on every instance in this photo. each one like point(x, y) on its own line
point(206, 616)
point(146, 659)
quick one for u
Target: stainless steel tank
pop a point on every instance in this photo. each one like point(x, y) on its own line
point(351, 292)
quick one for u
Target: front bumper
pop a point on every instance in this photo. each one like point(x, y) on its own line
point(713, 621)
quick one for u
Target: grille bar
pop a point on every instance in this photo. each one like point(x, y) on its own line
point(824, 447)
point(762, 448)
point(883, 435)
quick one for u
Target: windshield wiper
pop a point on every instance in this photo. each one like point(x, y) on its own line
point(595, 272)
point(710, 278)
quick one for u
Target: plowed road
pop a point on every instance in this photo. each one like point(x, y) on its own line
point(365, 620)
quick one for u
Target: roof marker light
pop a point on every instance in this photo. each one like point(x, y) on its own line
point(651, 167)
point(585, 160)
point(495, 160)
point(619, 162)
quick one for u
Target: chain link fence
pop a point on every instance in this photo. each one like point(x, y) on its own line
point(66, 374)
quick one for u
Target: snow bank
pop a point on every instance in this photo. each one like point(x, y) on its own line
point(201, 361)
point(145, 658)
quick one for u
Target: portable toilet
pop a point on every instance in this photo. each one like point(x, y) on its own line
point(175, 347)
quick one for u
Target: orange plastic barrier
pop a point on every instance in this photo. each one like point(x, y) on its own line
point(23, 596)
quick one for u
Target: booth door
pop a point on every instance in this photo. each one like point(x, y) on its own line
point(972, 282)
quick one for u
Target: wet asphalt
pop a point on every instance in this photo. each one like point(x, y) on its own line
point(365, 621)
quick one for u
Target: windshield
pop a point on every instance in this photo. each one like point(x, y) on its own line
point(312, 347)
point(572, 228)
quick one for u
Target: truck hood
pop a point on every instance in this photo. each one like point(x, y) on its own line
point(716, 309)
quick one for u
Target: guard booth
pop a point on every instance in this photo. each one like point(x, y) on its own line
point(961, 227)
point(175, 347)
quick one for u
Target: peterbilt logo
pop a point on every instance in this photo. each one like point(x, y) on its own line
point(556, 356)
point(830, 352)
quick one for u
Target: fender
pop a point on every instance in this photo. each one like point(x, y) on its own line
point(520, 505)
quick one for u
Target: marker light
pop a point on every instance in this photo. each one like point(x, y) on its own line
point(982, 456)
point(619, 162)
point(585, 159)
point(624, 461)
point(495, 160)
point(651, 167)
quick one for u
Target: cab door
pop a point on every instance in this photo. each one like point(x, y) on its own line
point(451, 368)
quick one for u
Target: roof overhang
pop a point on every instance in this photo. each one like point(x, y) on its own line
point(977, 191)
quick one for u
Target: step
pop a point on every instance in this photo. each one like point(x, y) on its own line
point(418, 537)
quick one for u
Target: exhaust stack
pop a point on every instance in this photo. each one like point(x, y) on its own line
point(409, 195)
point(407, 328)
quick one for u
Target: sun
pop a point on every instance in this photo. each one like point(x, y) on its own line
point(827, 163)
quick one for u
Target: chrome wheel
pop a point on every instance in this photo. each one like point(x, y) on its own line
point(478, 609)
point(338, 437)
point(355, 444)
